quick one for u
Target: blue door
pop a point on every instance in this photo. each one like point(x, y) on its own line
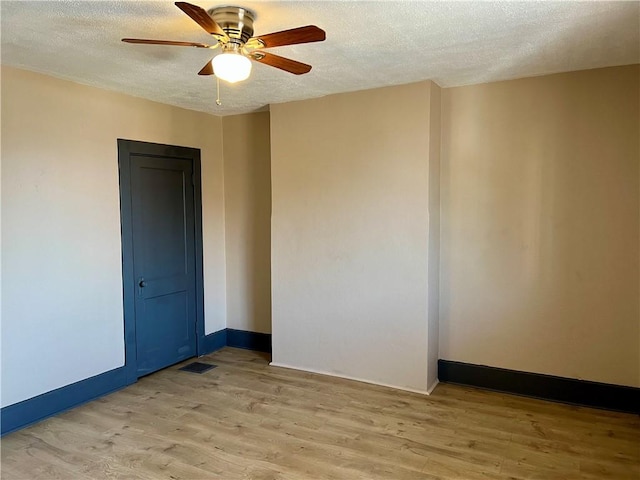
point(162, 220)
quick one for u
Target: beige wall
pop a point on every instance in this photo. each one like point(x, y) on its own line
point(61, 257)
point(350, 233)
point(247, 174)
point(540, 218)
point(540, 225)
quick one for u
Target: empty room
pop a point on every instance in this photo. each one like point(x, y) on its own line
point(320, 240)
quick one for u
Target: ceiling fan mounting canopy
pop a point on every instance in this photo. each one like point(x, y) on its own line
point(232, 27)
point(236, 22)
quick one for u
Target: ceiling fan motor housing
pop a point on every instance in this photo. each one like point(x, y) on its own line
point(237, 23)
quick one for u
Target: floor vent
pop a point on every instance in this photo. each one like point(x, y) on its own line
point(197, 367)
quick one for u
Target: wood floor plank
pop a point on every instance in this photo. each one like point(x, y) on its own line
point(248, 420)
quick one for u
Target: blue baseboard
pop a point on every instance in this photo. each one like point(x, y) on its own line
point(21, 414)
point(32, 410)
point(546, 387)
point(260, 342)
point(214, 341)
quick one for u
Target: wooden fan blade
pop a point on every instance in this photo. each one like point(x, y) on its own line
point(207, 69)
point(202, 18)
point(166, 42)
point(286, 64)
point(307, 34)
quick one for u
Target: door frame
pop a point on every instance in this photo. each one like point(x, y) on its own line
point(125, 149)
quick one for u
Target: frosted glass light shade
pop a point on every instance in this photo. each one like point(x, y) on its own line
point(231, 67)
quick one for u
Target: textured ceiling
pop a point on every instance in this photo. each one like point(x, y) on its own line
point(369, 44)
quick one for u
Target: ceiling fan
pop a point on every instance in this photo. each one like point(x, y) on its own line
point(232, 27)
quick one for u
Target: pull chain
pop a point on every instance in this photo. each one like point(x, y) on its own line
point(218, 102)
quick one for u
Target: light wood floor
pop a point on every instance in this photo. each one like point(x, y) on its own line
point(246, 420)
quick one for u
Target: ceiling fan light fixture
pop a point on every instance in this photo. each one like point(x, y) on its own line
point(231, 67)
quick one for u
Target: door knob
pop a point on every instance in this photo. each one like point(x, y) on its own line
point(142, 283)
